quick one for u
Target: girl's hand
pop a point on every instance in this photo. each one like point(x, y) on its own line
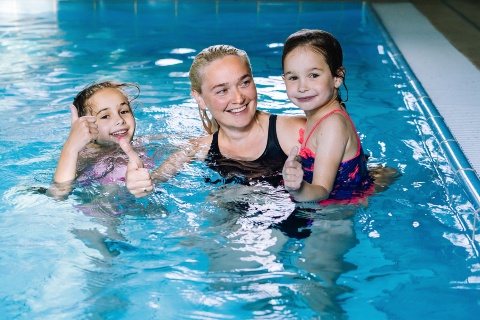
point(137, 179)
point(292, 171)
point(83, 131)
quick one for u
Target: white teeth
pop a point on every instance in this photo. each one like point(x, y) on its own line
point(118, 133)
point(238, 109)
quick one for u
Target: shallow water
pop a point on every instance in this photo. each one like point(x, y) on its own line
point(199, 250)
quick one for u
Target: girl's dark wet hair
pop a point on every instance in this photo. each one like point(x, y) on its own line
point(81, 100)
point(321, 42)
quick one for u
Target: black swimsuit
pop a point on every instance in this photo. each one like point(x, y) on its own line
point(268, 167)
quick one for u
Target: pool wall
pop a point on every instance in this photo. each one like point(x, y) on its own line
point(449, 145)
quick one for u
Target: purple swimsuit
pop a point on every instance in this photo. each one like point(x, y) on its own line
point(353, 180)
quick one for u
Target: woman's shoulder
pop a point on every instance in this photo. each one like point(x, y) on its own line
point(293, 122)
point(199, 146)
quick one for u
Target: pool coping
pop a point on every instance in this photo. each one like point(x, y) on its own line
point(449, 145)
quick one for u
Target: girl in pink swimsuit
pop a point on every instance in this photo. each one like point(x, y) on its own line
point(330, 166)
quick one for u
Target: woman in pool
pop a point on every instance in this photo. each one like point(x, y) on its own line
point(101, 117)
point(241, 141)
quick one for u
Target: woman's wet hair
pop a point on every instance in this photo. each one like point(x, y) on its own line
point(201, 61)
point(323, 43)
point(81, 99)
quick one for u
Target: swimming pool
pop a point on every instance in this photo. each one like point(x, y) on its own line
point(198, 250)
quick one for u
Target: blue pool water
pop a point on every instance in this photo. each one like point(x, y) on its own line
point(198, 250)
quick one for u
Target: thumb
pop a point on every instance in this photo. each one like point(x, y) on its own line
point(74, 112)
point(293, 154)
point(133, 157)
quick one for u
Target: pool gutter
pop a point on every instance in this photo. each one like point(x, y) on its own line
point(462, 168)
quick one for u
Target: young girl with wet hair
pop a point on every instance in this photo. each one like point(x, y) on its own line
point(101, 116)
point(331, 165)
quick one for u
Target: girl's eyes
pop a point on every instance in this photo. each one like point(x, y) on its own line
point(311, 75)
point(107, 115)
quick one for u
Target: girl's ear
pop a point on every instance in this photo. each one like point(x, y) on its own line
point(339, 77)
point(198, 97)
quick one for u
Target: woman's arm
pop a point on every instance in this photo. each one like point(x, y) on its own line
point(140, 182)
point(288, 127)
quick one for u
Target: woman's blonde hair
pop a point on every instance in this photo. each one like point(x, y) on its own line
point(201, 61)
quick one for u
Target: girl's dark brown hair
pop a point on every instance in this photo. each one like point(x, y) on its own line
point(84, 108)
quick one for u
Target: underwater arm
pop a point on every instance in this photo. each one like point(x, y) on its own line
point(140, 182)
point(176, 161)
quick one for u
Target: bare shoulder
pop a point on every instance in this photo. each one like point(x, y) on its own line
point(336, 122)
point(199, 146)
point(288, 127)
point(290, 124)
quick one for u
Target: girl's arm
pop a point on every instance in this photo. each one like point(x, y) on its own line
point(83, 131)
point(332, 141)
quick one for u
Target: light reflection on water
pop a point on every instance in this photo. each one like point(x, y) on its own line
point(196, 249)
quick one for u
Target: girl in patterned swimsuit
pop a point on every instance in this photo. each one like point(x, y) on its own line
point(101, 118)
point(333, 166)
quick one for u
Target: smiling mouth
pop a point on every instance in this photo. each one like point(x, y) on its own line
point(120, 134)
point(305, 99)
point(237, 110)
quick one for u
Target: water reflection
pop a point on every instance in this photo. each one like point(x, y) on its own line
point(275, 256)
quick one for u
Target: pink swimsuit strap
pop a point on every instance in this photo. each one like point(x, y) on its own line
point(304, 143)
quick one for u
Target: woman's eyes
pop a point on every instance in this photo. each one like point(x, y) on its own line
point(245, 83)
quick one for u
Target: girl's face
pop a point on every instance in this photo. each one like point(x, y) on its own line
point(114, 117)
point(228, 92)
point(308, 79)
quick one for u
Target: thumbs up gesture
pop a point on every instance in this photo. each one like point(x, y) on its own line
point(292, 171)
point(83, 130)
point(137, 179)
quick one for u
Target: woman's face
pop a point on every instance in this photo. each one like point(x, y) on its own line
point(228, 92)
point(114, 117)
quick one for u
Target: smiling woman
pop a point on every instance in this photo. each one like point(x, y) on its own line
point(242, 143)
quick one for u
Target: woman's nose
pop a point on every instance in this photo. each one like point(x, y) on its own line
point(238, 97)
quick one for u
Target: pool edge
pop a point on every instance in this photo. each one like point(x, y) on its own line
point(449, 145)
